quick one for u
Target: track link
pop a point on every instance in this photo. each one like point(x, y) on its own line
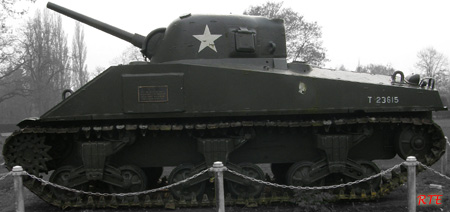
point(34, 162)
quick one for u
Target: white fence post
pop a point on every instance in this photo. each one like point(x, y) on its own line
point(411, 163)
point(444, 158)
point(18, 188)
point(218, 169)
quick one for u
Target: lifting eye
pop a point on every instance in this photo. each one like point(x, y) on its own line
point(394, 76)
point(64, 93)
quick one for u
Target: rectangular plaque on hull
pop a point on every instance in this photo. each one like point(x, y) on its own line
point(149, 93)
point(153, 93)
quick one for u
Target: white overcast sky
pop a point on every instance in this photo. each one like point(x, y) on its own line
point(379, 31)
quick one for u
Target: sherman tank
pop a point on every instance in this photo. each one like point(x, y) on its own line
point(219, 88)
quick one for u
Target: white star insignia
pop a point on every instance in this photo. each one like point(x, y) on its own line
point(207, 40)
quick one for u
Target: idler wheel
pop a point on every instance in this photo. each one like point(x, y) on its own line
point(413, 142)
point(248, 188)
point(134, 180)
point(187, 192)
point(299, 175)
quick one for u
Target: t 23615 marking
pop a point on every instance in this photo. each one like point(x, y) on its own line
point(383, 99)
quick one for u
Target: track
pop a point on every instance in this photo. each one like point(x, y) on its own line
point(27, 148)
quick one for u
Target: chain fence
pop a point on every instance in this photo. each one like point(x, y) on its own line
point(291, 187)
point(316, 187)
point(4, 175)
point(434, 171)
point(45, 182)
point(117, 194)
point(382, 173)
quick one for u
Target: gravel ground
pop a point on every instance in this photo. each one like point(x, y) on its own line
point(395, 201)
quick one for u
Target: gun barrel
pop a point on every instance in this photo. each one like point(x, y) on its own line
point(135, 39)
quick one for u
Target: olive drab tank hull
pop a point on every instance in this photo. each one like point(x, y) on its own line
point(218, 88)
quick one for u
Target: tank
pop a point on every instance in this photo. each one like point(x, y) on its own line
point(219, 88)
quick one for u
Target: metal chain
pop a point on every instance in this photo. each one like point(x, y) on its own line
point(232, 172)
point(431, 169)
point(3, 176)
point(118, 194)
point(318, 187)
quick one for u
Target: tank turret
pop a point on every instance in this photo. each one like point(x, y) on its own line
point(201, 37)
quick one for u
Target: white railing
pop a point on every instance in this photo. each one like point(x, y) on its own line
point(218, 168)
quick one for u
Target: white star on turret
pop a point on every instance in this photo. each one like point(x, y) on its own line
point(207, 40)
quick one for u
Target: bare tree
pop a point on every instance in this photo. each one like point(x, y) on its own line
point(98, 70)
point(131, 53)
point(342, 68)
point(433, 64)
point(11, 82)
point(46, 60)
point(79, 51)
point(376, 69)
point(303, 39)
